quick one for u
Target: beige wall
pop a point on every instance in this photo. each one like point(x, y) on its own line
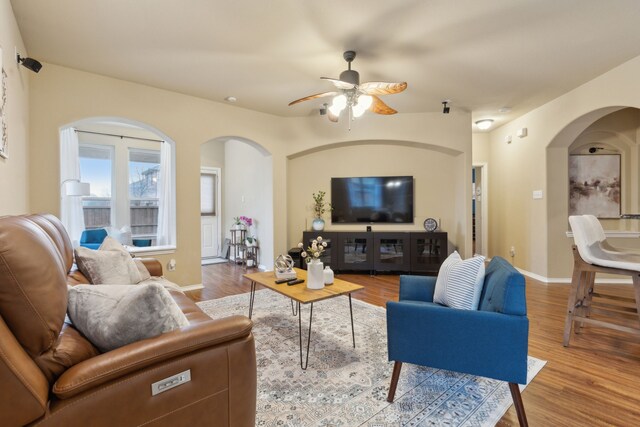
point(481, 143)
point(536, 228)
point(212, 154)
point(60, 96)
point(435, 183)
point(14, 177)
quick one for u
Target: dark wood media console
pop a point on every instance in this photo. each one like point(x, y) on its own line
point(382, 251)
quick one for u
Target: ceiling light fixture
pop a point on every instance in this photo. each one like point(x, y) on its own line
point(484, 124)
point(356, 103)
point(445, 106)
point(351, 95)
point(231, 99)
point(29, 63)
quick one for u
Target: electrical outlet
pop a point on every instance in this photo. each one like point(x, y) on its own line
point(171, 265)
point(512, 251)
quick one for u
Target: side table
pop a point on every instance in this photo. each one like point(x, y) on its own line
point(237, 246)
point(250, 254)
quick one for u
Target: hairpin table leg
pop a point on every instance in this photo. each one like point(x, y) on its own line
point(353, 332)
point(304, 366)
point(251, 297)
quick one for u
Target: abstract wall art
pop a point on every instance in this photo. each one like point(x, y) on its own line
point(594, 185)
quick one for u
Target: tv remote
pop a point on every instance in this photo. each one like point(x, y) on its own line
point(295, 282)
point(279, 281)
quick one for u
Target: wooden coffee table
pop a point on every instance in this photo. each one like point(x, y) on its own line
point(302, 295)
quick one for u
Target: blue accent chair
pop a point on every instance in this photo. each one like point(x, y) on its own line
point(141, 243)
point(490, 342)
point(92, 239)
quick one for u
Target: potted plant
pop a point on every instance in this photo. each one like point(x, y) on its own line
point(319, 208)
point(237, 224)
point(251, 241)
point(242, 222)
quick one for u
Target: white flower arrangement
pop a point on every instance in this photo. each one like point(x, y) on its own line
point(314, 251)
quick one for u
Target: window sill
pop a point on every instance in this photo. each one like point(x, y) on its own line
point(151, 250)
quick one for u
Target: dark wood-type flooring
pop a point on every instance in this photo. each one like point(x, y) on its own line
point(593, 382)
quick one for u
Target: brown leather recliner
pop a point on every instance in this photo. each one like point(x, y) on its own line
point(50, 375)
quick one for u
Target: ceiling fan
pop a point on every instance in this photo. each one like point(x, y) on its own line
point(356, 97)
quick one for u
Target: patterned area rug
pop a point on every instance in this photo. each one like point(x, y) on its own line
point(348, 387)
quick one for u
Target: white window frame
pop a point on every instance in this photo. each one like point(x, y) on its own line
point(120, 214)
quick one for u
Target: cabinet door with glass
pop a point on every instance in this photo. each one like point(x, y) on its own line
point(355, 251)
point(428, 251)
point(391, 251)
point(329, 256)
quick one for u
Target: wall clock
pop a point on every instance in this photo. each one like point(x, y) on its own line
point(430, 225)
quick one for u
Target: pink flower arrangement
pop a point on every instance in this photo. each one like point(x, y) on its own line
point(246, 220)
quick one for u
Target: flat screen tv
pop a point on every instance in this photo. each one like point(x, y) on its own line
point(378, 199)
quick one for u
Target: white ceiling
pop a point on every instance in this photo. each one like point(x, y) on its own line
point(483, 55)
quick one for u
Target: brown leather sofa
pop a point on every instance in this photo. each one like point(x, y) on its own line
point(50, 375)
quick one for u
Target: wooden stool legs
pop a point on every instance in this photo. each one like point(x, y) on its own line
point(580, 305)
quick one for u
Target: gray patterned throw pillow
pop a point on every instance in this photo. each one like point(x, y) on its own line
point(111, 316)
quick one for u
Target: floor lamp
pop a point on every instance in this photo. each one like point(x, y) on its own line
point(73, 187)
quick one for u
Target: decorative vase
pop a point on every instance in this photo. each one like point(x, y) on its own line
point(315, 276)
point(328, 275)
point(318, 224)
point(239, 227)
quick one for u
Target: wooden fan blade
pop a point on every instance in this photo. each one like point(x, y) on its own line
point(317, 95)
point(339, 83)
point(379, 107)
point(332, 118)
point(382, 88)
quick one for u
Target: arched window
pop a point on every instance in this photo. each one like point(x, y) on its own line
point(131, 175)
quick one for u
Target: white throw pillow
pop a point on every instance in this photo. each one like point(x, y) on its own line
point(459, 283)
point(111, 316)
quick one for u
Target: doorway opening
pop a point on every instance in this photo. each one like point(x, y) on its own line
point(210, 218)
point(479, 204)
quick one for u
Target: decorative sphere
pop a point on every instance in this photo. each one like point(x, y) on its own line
point(284, 263)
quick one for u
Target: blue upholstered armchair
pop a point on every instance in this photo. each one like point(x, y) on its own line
point(490, 342)
point(92, 239)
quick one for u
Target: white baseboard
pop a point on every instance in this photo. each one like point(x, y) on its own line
point(195, 287)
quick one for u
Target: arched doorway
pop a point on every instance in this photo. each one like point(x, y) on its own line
point(242, 172)
point(608, 130)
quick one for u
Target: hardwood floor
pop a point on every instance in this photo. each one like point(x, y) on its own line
point(593, 382)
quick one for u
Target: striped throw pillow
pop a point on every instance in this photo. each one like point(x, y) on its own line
point(460, 282)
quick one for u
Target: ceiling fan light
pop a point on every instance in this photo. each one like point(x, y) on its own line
point(365, 101)
point(484, 124)
point(335, 110)
point(340, 102)
point(358, 110)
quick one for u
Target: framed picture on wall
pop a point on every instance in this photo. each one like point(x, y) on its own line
point(4, 138)
point(594, 185)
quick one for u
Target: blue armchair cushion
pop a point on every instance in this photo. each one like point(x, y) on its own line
point(92, 239)
point(141, 242)
point(459, 282)
point(504, 289)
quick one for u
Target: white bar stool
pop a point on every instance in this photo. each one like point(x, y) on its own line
point(593, 254)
